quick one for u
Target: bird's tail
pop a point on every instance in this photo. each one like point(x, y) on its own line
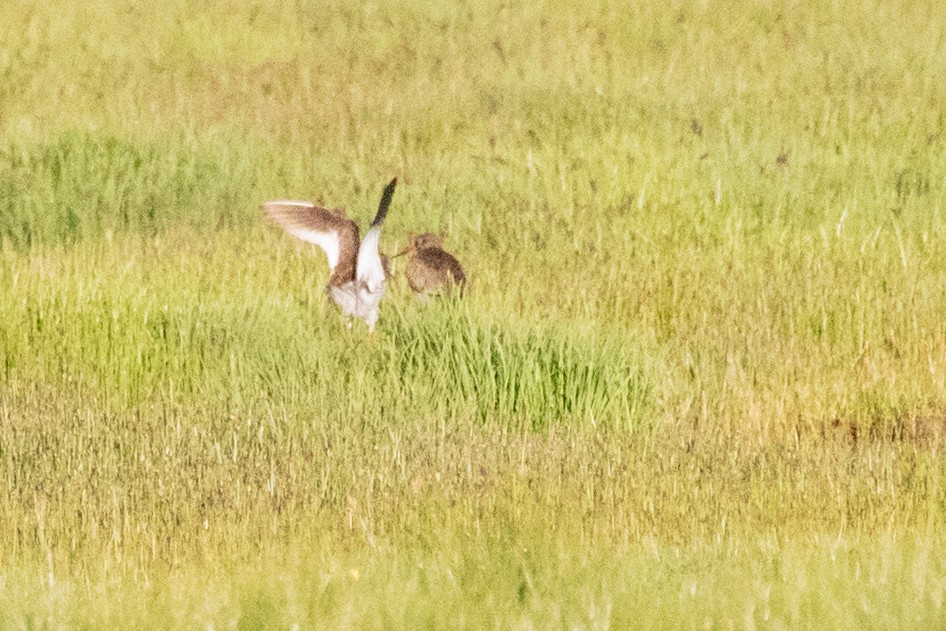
point(385, 203)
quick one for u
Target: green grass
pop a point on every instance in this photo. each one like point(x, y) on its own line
point(699, 379)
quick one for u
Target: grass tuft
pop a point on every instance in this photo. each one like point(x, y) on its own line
point(80, 186)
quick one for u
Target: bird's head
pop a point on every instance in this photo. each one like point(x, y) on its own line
point(421, 242)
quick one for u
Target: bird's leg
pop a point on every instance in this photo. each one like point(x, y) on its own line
point(371, 319)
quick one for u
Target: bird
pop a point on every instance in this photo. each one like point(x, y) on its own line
point(358, 271)
point(431, 268)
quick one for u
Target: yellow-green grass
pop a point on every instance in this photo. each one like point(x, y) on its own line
point(697, 382)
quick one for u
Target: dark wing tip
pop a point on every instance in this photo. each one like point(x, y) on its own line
point(386, 198)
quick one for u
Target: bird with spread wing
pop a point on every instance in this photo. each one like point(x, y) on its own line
point(358, 270)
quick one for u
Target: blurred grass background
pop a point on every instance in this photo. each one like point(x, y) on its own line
point(698, 381)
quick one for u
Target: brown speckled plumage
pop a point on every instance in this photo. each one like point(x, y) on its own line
point(431, 268)
point(358, 270)
point(301, 220)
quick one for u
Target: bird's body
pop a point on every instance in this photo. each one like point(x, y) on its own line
point(358, 270)
point(431, 268)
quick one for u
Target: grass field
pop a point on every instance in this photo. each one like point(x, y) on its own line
point(699, 380)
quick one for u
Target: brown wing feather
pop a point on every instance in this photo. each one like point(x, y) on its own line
point(329, 229)
point(434, 268)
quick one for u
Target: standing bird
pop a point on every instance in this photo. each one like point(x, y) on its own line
point(432, 268)
point(358, 270)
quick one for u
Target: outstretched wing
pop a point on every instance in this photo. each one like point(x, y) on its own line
point(336, 234)
point(370, 271)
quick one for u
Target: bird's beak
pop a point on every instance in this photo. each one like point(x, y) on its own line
point(403, 252)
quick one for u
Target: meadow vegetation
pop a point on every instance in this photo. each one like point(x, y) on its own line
point(699, 380)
